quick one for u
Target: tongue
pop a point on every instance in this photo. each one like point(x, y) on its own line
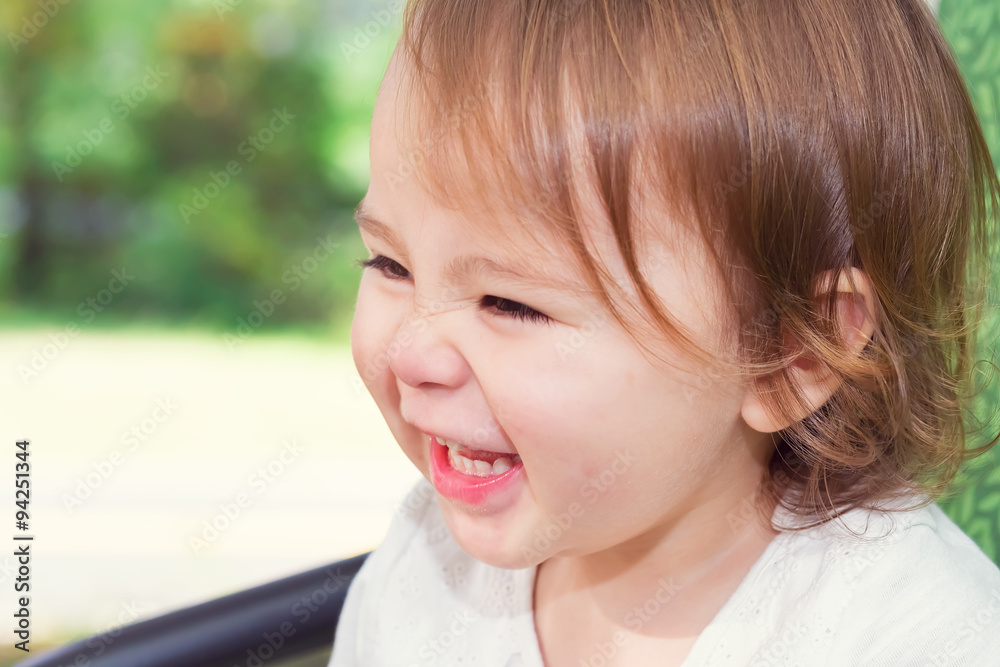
point(480, 455)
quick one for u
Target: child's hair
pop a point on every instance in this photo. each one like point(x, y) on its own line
point(795, 138)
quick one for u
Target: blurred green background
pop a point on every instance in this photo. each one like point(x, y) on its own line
point(118, 120)
point(174, 166)
point(973, 30)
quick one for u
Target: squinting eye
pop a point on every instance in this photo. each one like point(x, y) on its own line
point(390, 268)
point(393, 270)
point(508, 308)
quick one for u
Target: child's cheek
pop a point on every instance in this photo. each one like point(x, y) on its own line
point(372, 333)
point(546, 419)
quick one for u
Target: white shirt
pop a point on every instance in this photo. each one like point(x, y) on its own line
point(914, 591)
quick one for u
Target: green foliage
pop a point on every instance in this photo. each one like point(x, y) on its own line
point(973, 29)
point(204, 146)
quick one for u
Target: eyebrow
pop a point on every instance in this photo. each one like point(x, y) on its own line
point(468, 264)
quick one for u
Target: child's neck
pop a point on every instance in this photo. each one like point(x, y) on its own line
point(690, 567)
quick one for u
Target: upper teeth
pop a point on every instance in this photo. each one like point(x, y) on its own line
point(451, 444)
point(502, 464)
point(479, 468)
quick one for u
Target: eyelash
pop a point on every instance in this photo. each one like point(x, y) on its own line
point(504, 307)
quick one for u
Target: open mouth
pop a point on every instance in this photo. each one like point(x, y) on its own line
point(475, 477)
point(478, 462)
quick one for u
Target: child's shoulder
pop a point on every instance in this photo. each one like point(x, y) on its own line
point(934, 594)
point(902, 549)
point(884, 588)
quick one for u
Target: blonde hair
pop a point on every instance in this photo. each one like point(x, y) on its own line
point(797, 138)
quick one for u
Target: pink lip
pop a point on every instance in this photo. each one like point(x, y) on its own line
point(468, 489)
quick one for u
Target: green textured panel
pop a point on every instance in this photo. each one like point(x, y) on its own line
point(973, 29)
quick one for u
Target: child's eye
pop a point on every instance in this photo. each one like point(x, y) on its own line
point(513, 309)
point(390, 268)
point(393, 270)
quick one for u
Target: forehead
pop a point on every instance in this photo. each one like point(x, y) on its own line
point(520, 224)
point(417, 146)
point(511, 231)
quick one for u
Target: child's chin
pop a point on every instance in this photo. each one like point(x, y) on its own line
point(500, 547)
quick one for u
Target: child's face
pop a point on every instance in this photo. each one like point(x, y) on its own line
point(614, 449)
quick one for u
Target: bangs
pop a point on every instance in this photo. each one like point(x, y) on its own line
point(538, 119)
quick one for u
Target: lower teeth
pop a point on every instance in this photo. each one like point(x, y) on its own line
point(479, 468)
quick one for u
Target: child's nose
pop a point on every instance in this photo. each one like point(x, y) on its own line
point(423, 351)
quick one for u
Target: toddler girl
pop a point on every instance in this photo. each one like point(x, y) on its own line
point(673, 304)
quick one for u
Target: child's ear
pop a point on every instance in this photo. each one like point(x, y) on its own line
point(814, 379)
